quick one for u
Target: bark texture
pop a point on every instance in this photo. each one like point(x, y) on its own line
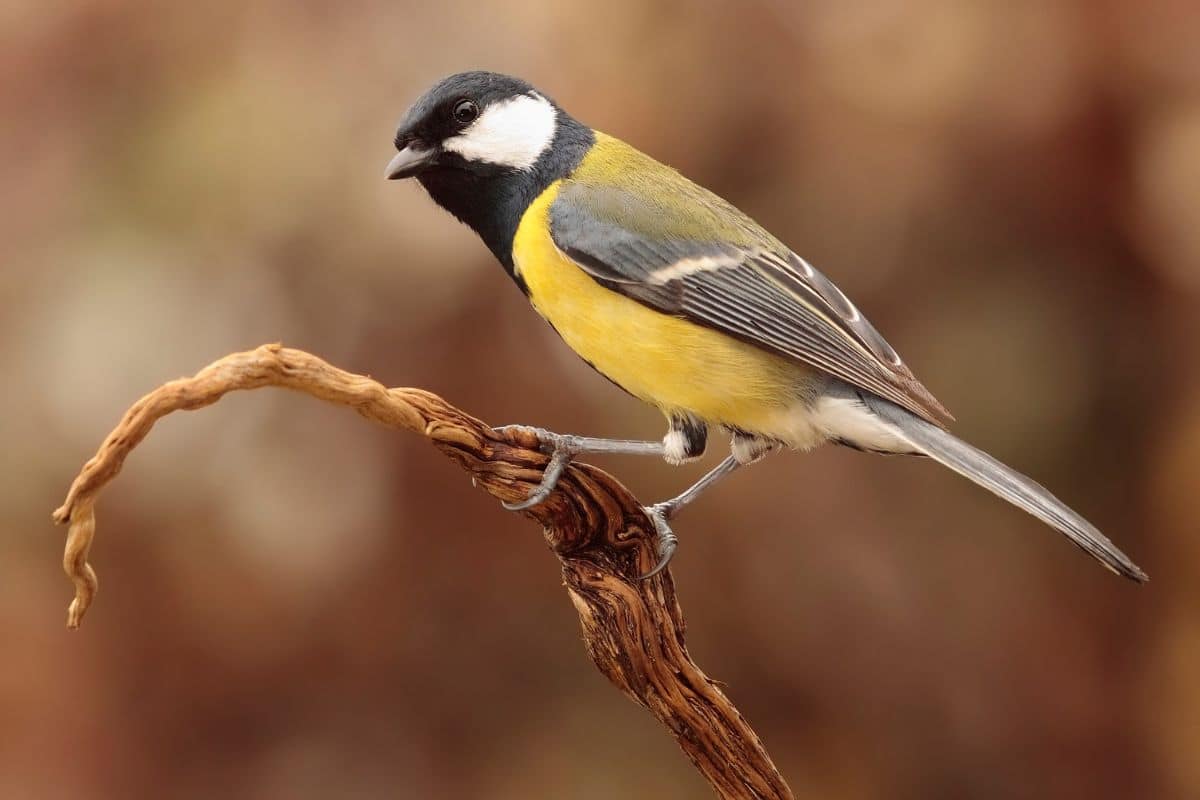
point(633, 630)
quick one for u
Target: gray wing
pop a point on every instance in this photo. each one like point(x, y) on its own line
point(754, 290)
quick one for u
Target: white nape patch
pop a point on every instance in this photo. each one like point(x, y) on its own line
point(689, 266)
point(675, 448)
point(510, 133)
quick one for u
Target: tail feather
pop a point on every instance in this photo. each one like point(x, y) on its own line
point(1005, 482)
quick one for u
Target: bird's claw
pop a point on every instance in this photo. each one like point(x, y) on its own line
point(666, 541)
point(561, 450)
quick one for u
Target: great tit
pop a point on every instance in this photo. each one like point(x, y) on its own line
point(681, 300)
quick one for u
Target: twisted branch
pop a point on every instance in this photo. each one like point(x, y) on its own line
point(633, 630)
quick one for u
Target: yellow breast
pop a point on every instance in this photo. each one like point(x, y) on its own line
point(668, 362)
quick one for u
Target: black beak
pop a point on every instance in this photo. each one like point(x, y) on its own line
point(410, 161)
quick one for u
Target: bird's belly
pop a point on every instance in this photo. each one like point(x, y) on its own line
point(666, 361)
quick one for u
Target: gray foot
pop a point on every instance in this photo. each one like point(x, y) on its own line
point(667, 541)
point(560, 450)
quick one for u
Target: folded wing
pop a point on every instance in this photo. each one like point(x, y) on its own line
point(739, 280)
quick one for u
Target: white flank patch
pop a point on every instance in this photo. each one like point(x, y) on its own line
point(804, 427)
point(848, 419)
point(511, 133)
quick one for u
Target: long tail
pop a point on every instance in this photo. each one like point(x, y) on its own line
point(1004, 482)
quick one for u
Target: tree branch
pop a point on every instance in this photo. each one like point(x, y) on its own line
point(633, 630)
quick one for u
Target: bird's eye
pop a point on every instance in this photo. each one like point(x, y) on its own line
point(465, 111)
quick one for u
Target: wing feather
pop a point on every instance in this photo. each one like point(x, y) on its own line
point(755, 290)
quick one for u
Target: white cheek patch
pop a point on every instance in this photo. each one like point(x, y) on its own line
point(512, 133)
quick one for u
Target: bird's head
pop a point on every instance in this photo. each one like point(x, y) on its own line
point(484, 146)
point(482, 123)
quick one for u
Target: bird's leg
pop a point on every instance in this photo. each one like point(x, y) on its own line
point(563, 447)
point(746, 449)
point(660, 513)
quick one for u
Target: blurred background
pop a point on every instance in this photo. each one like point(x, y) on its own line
point(295, 603)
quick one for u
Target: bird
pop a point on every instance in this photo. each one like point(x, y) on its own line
point(683, 301)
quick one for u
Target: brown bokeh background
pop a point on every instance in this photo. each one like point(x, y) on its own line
point(297, 604)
